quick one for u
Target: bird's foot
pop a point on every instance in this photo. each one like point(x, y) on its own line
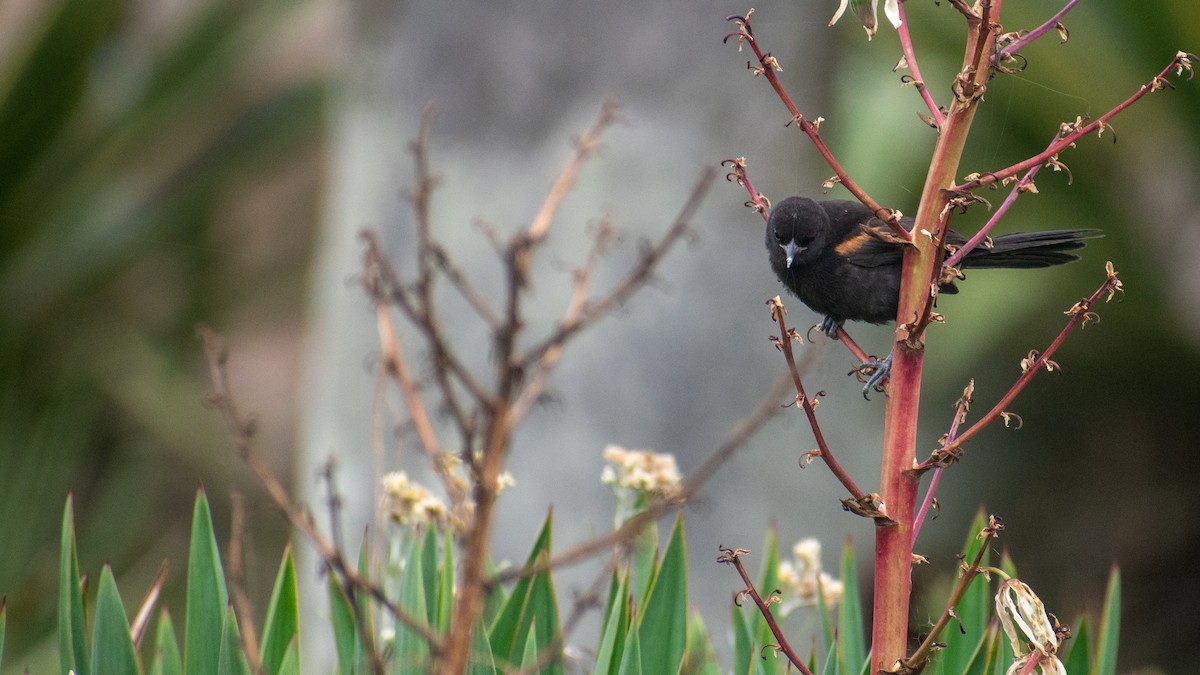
point(876, 372)
point(830, 326)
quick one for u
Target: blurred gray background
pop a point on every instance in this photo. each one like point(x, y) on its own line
point(200, 161)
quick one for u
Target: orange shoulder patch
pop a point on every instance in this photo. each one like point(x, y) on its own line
point(852, 244)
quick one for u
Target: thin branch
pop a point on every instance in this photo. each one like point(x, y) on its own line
point(1081, 313)
point(1021, 187)
point(380, 278)
point(961, 406)
point(920, 657)
point(731, 556)
point(395, 366)
point(910, 60)
point(463, 285)
point(242, 438)
point(1073, 131)
point(741, 433)
point(237, 575)
point(768, 65)
point(738, 174)
point(784, 343)
point(1024, 40)
point(485, 467)
point(581, 314)
point(141, 620)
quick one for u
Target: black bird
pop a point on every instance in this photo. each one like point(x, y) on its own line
point(830, 255)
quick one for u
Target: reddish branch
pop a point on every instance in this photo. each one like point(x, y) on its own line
point(784, 343)
point(936, 116)
point(919, 658)
point(767, 67)
point(1024, 40)
point(732, 556)
point(1073, 131)
point(1081, 313)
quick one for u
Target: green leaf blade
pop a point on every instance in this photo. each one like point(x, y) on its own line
point(282, 624)
point(664, 622)
point(207, 596)
point(112, 644)
point(72, 623)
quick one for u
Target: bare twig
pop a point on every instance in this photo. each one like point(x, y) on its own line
point(1022, 186)
point(738, 174)
point(731, 556)
point(237, 574)
point(1182, 62)
point(582, 312)
point(1081, 313)
point(621, 537)
point(141, 620)
point(1024, 40)
point(767, 67)
point(961, 406)
point(936, 116)
point(500, 413)
point(784, 343)
point(241, 434)
point(920, 657)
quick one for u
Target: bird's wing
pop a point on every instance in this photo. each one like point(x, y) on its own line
point(866, 240)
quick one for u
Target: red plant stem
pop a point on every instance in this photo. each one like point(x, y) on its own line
point(766, 68)
point(910, 58)
point(1181, 61)
point(898, 482)
point(1032, 35)
point(1080, 313)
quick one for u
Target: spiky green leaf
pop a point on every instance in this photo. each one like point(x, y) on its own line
point(1076, 655)
point(411, 653)
point(231, 660)
point(282, 624)
point(851, 641)
point(112, 644)
point(699, 658)
point(72, 623)
point(1110, 627)
point(207, 597)
point(510, 628)
point(664, 622)
point(167, 659)
point(616, 627)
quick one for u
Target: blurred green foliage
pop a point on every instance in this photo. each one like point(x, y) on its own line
point(130, 136)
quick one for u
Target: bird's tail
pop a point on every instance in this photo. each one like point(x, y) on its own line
point(1030, 249)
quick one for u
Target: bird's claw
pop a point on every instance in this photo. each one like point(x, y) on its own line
point(877, 373)
point(830, 326)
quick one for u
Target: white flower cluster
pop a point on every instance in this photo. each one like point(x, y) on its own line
point(410, 503)
point(803, 576)
point(641, 471)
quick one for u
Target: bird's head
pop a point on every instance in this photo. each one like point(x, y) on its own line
point(795, 224)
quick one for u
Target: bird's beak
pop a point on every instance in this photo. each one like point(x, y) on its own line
point(790, 250)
